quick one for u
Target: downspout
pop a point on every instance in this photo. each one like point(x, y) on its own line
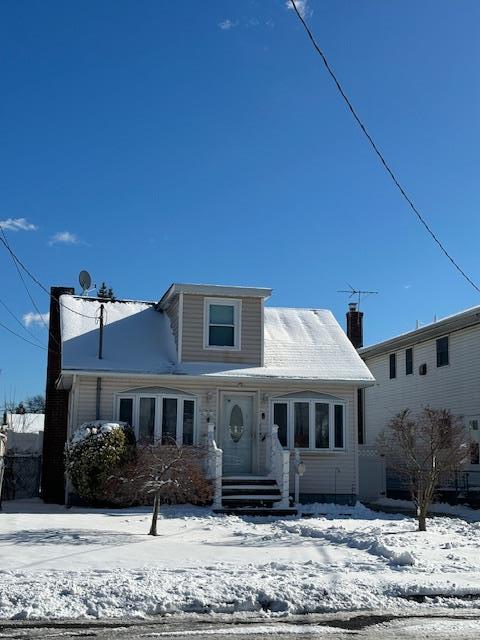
point(98, 399)
point(72, 414)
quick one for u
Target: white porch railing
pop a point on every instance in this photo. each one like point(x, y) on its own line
point(279, 465)
point(214, 464)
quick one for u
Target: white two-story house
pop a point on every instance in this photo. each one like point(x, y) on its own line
point(212, 365)
point(436, 365)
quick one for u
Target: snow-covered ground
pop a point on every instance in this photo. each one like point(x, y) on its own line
point(81, 563)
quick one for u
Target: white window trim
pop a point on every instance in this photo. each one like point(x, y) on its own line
point(237, 323)
point(135, 397)
point(290, 402)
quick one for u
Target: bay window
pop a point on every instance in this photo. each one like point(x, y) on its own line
point(315, 423)
point(158, 415)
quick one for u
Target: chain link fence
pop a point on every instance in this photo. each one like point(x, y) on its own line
point(21, 476)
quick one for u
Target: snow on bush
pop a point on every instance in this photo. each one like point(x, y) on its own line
point(96, 450)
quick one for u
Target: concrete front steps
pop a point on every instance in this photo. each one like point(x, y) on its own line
point(252, 496)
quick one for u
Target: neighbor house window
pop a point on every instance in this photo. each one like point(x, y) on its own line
point(305, 423)
point(475, 453)
point(393, 365)
point(474, 445)
point(408, 361)
point(222, 323)
point(158, 416)
point(442, 351)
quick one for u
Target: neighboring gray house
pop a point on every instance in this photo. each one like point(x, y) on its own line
point(214, 365)
point(436, 365)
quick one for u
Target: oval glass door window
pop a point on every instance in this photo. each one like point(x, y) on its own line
point(236, 424)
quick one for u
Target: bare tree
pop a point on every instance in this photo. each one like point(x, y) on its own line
point(35, 404)
point(425, 450)
point(166, 472)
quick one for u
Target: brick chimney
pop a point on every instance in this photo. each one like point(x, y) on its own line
point(355, 325)
point(56, 409)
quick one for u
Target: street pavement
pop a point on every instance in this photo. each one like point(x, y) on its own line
point(441, 625)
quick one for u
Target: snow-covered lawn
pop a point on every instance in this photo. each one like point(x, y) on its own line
point(101, 563)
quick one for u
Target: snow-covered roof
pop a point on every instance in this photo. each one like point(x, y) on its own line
point(440, 327)
point(299, 344)
point(25, 422)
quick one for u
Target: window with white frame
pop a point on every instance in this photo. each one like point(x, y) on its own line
point(222, 323)
point(310, 423)
point(158, 415)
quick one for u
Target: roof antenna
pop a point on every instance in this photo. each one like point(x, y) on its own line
point(357, 292)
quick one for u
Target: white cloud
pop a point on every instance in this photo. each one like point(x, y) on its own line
point(35, 318)
point(64, 237)
point(17, 224)
point(302, 6)
point(227, 24)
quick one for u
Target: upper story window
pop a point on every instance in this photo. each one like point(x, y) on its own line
point(222, 323)
point(310, 423)
point(158, 414)
point(408, 361)
point(442, 352)
point(393, 365)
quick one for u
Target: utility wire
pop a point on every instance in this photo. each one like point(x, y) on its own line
point(18, 320)
point(21, 337)
point(32, 300)
point(378, 152)
point(28, 272)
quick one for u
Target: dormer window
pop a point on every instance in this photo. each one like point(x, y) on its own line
point(222, 323)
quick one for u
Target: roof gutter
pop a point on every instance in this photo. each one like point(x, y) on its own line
point(361, 383)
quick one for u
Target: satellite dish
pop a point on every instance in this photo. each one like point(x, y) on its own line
point(85, 281)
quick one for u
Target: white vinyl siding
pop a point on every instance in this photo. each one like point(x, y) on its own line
point(454, 387)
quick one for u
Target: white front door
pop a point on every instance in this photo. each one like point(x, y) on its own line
point(237, 433)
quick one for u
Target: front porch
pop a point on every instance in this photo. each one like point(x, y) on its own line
point(249, 494)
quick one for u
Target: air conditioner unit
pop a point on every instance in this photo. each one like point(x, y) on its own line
point(422, 369)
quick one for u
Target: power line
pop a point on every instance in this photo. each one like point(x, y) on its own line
point(378, 152)
point(32, 300)
point(28, 272)
point(21, 337)
point(18, 320)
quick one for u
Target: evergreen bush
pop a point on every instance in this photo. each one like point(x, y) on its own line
point(97, 450)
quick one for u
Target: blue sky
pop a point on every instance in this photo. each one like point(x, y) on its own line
point(203, 142)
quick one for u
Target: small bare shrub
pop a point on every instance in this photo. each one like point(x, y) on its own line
point(168, 473)
point(425, 450)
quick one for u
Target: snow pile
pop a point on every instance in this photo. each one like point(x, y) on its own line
point(369, 542)
point(95, 428)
